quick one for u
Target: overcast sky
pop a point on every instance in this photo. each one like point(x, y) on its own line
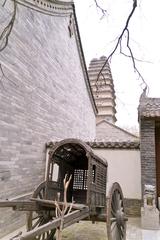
point(99, 37)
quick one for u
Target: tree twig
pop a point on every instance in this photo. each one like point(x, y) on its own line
point(119, 41)
point(104, 11)
point(136, 59)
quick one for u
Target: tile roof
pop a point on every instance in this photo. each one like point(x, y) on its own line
point(115, 145)
point(149, 107)
point(108, 145)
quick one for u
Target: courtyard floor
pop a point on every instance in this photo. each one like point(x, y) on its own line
point(97, 231)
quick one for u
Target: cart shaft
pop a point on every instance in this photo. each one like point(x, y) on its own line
point(68, 220)
point(20, 205)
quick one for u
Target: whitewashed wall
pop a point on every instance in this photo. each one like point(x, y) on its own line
point(123, 167)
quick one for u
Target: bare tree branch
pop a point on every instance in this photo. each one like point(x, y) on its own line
point(104, 11)
point(121, 35)
point(137, 59)
point(7, 30)
point(133, 59)
point(119, 44)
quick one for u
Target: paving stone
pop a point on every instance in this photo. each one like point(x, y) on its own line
point(88, 231)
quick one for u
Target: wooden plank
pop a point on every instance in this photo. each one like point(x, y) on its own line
point(50, 203)
point(20, 205)
point(69, 219)
point(76, 219)
point(44, 203)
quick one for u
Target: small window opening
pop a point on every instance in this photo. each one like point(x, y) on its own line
point(55, 172)
point(93, 173)
point(80, 179)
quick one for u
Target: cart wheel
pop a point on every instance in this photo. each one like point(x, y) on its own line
point(36, 219)
point(116, 220)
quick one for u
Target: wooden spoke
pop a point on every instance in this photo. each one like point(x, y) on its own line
point(120, 205)
point(37, 216)
point(113, 226)
point(113, 220)
point(41, 220)
point(36, 219)
point(40, 195)
point(120, 230)
point(37, 223)
point(116, 221)
point(113, 213)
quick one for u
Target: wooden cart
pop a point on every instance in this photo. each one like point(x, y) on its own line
point(87, 188)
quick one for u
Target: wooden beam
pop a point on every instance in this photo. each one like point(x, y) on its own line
point(21, 205)
point(50, 203)
point(69, 219)
point(74, 153)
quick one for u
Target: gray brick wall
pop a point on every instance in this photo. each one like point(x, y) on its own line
point(132, 207)
point(147, 147)
point(11, 220)
point(43, 97)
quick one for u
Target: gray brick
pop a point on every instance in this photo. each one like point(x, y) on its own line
point(44, 97)
point(148, 158)
point(132, 207)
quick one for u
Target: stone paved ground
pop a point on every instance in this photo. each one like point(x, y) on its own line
point(135, 232)
point(86, 231)
point(97, 231)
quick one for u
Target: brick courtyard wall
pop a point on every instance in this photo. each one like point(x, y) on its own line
point(43, 97)
point(148, 158)
point(132, 207)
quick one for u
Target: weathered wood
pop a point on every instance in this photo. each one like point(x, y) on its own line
point(51, 204)
point(69, 219)
point(21, 205)
point(116, 219)
point(38, 218)
point(99, 218)
point(74, 219)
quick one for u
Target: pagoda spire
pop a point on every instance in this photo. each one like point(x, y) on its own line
point(103, 89)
